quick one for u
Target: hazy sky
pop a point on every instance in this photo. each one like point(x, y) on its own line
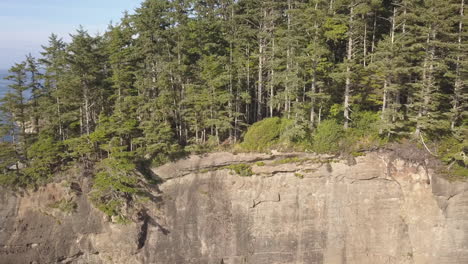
point(25, 25)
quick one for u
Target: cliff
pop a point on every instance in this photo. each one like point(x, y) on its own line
point(295, 208)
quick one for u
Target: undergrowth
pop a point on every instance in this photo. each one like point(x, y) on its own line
point(244, 170)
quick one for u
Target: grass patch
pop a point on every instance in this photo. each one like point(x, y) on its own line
point(205, 170)
point(260, 163)
point(65, 205)
point(298, 175)
point(290, 160)
point(456, 173)
point(244, 170)
point(459, 171)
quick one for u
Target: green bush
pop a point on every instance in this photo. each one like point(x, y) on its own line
point(290, 160)
point(365, 123)
point(364, 133)
point(263, 134)
point(299, 175)
point(327, 137)
point(260, 163)
point(45, 156)
point(244, 170)
point(453, 152)
point(8, 158)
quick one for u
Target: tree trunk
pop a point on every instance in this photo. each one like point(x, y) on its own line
point(364, 63)
point(426, 80)
point(374, 27)
point(458, 87)
point(348, 70)
point(272, 92)
point(261, 49)
point(387, 78)
point(86, 109)
point(314, 73)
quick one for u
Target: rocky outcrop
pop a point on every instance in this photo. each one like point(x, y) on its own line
point(296, 208)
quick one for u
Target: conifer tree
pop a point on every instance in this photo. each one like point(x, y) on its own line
point(15, 103)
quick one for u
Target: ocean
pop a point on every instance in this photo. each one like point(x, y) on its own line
point(3, 90)
point(3, 83)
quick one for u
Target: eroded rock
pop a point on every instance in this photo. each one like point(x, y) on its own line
point(294, 209)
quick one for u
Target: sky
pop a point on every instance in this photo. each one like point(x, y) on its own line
point(25, 25)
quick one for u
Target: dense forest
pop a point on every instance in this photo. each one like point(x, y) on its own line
point(179, 76)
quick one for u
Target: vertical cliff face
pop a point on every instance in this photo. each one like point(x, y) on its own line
point(294, 209)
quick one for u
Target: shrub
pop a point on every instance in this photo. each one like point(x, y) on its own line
point(298, 175)
point(364, 133)
point(44, 156)
point(365, 123)
point(453, 152)
point(65, 205)
point(327, 137)
point(263, 134)
point(290, 160)
point(244, 170)
point(260, 163)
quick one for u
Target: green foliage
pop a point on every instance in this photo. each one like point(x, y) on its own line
point(116, 182)
point(458, 172)
point(8, 158)
point(45, 156)
point(10, 179)
point(261, 135)
point(451, 149)
point(335, 29)
point(159, 143)
point(200, 72)
point(110, 208)
point(290, 160)
point(244, 170)
point(364, 132)
point(299, 175)
point(454, 153)
point(327, 137)
point(365, 123)
point(79, 148)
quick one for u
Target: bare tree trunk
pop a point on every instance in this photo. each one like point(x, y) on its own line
point(320, 109)
point(312, 100)
point(288, 67)
point(261, 50)
point(230, 105)
point(314, 73)
point(364, 63)
point(247, 112)
point(59, 112)
point(230, 90)
point(384, 100)
point(260, 81)
point(426, 80)
point(348, 69)
point(458, 88)
point(86, 108)
point(272, 92)
point(374, 27)
point(386, 80)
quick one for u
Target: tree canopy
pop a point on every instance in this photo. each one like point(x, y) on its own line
point(181, 75)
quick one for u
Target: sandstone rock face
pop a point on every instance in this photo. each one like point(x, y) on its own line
point(295, 209)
